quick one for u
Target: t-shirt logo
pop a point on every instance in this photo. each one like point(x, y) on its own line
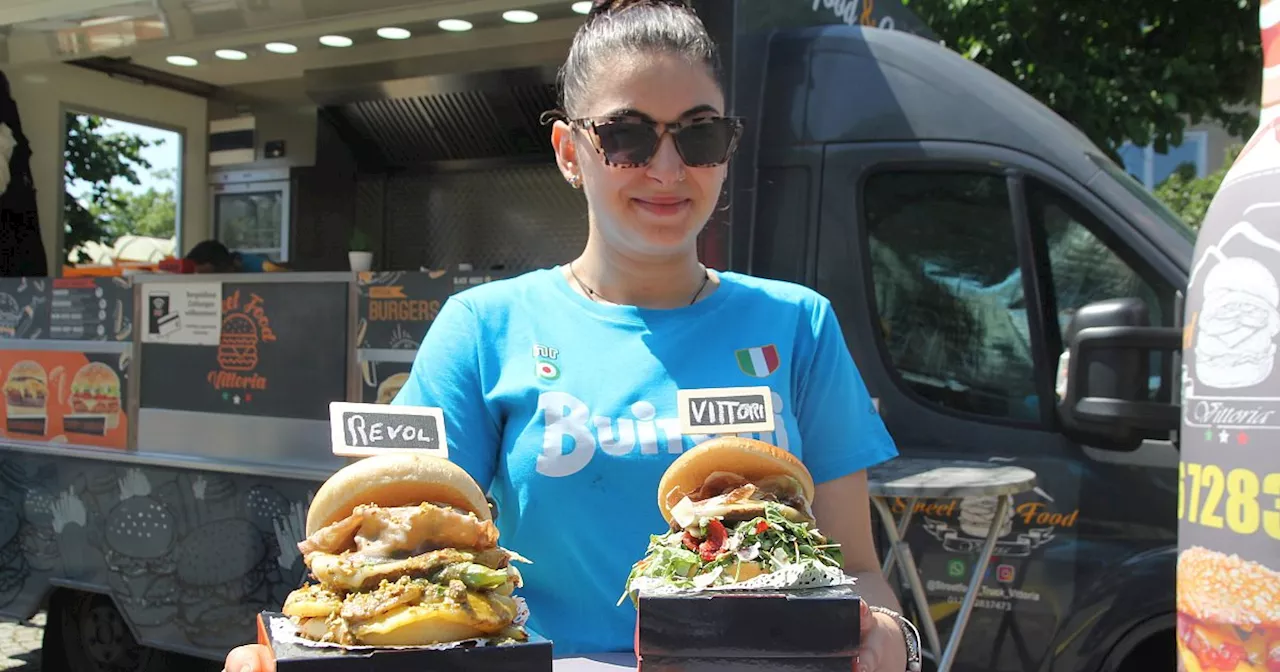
point(544, 365)
point(758, 362)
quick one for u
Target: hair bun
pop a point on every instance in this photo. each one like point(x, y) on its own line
point(601, 7)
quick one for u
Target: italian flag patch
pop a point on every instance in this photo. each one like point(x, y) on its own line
point(546, 370)
point(758, 362)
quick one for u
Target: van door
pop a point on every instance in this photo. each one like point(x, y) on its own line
point(953, 268)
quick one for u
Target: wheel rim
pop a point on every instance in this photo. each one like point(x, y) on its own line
point(103, 637)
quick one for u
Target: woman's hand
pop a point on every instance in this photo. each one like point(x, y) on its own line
point(250, 658)
point(883, 649)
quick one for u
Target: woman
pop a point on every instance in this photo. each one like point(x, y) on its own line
point(559, 386)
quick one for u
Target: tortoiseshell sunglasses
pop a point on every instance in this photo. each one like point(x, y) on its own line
point(629, 142)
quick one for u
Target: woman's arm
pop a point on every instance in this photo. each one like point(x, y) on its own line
point(843, 510)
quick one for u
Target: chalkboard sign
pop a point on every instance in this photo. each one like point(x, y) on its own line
point(726, 410)
point(281, 353)
point(24, 308)
point(91, 309)
point(361, 430)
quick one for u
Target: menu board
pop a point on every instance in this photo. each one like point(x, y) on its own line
point(24, 308)
point(91, 309)
point(65, 397)
point(281, 352)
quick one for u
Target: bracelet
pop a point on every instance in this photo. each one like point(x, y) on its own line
point(909, 633)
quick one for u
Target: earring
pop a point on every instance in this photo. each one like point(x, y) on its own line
point(575, 181)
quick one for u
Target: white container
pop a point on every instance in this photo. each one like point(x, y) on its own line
point(360, 261)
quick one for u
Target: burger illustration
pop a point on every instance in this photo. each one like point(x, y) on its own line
point(738, 509)
point(10, 316)
point(238, 347)
point(26, 394)
point(95, 389)
point(137, 548)
point(1228, 613)
point(222, 578)
point(13, 564)
point(390, 387)
point(977, 514)
point(1235, 346)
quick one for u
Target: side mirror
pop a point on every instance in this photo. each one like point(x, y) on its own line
point(1104, 388)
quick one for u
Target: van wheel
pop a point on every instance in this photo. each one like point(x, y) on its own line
point(85, 632)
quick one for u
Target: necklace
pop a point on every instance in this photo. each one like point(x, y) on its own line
point(595, 296)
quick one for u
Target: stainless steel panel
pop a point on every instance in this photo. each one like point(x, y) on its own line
point(276, 443)
point(170, 460)
point(517, 217)
point(456, 117)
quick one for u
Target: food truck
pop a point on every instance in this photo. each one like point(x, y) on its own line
point(163, 433)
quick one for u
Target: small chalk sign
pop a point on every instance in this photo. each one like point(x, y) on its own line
point(362, 430)
point(726, 410)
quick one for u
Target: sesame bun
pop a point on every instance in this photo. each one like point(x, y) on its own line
point(396, 479)
point(751, 459)
point(1217, 588)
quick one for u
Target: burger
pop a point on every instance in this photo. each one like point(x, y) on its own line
point(1228, 613)
point(26, 390)
point(737, 509)
point(390, 387)
point(238, 345)
point(95, 389)
point(403, 552)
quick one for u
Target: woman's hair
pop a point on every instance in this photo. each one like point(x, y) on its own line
point(628, 27)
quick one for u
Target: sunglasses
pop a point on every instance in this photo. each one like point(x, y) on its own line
point(632, 143)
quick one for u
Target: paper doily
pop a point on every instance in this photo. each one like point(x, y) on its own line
point(787, 577)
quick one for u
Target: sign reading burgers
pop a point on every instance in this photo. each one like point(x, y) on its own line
point(405, 558)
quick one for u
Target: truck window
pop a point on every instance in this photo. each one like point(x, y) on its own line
point(948, 289)
point(1084, 268)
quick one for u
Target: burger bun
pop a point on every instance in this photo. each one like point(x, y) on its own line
point(395, 479)
point(751, 459)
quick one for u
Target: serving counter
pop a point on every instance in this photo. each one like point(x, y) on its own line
point(163, 435)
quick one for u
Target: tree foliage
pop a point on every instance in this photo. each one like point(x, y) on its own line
point(1189, 196)
point(97, 158)
point(1120, 71)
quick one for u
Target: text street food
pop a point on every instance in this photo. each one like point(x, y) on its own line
point(738, 508)
point(95, 389)
point(26, 390)
point(404, 553)
point(1228, 613)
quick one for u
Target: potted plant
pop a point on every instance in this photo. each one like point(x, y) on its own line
point(358, 253)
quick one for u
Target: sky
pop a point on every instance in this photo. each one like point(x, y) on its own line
point(165, 156)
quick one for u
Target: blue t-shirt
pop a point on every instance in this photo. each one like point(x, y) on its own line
point(565, 409)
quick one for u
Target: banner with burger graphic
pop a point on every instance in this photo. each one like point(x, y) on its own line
point(1229, 497)
point(65, 397)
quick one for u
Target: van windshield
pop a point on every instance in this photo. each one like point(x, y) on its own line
point(1154, 204)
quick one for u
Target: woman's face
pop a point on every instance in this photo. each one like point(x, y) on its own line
point(657, 209)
